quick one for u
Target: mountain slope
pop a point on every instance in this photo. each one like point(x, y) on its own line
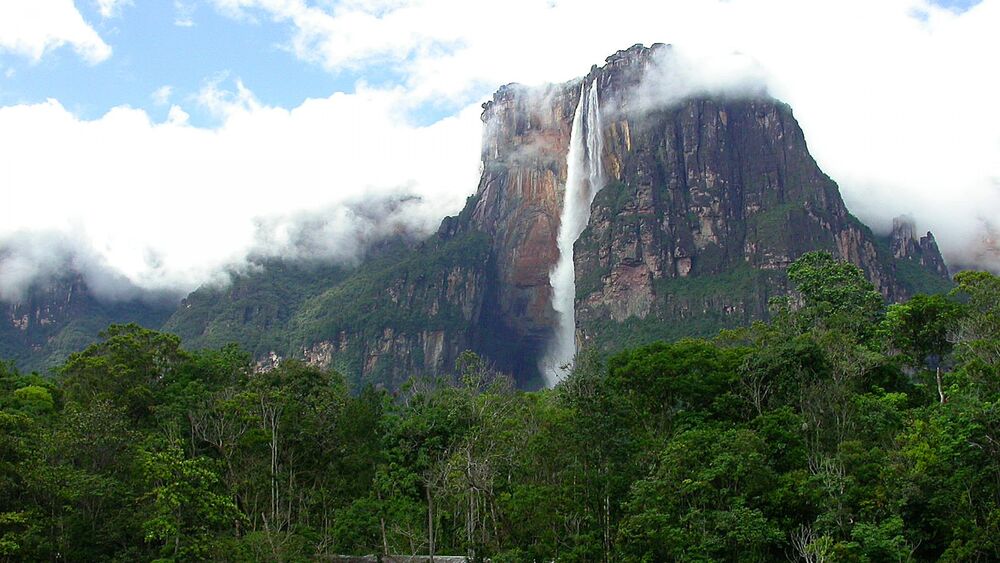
point(255, 308)
point(58, 316)
point(705, 202)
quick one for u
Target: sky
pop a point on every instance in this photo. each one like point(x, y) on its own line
point(163, 141)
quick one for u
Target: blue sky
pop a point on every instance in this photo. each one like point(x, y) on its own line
point(184, 45)
point(167, 139)
point(180, 47)
point(151, 50)
point(957, 5)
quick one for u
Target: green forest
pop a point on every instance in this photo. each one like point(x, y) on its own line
point(841, 429)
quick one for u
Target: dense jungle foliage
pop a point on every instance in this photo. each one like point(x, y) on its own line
point(842, 430)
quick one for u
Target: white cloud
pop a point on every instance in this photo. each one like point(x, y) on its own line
point(221, 102)
point(111, 8)
point(33, 28)
point(161, 96)
point(169, 205)
point(30, 255)
point(184, 13)
point(177, 116)
point(896, 97)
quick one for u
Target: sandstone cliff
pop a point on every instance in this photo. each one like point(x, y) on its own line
point(706, 201)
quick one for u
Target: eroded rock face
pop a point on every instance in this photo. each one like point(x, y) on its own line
point(905, 244)
point(417, 324)
point(48, 303)
point(715, 190)
point(59, 315)
point(392, 357)
point(525, 141)
point(707, 201)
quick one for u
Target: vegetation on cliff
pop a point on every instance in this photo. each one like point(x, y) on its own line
point(255, 308)
point(287, 307)
point(840, 430)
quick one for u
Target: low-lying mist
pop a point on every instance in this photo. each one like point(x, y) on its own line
point(137, 206)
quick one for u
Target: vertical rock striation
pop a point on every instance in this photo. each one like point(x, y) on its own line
point(61, 315)
point(906, 245)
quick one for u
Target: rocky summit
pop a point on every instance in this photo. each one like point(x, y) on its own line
point(705, 199)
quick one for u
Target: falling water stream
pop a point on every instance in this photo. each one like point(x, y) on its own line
point(583, 181)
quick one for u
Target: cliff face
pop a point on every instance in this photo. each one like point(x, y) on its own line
point(401, 316)
point(29, 320)
point(706, 201)
point(526, 139)
point(906, 245)
point(408, 309)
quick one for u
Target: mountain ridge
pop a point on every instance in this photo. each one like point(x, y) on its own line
point(707, 200)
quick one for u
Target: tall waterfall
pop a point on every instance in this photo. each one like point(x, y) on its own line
point(583, 180)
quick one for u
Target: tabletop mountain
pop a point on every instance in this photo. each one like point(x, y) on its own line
point(700, 202)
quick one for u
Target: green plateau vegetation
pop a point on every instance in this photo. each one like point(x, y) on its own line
point(722, 292)
point(695, 306)
point(286, 306)
point(364, 305)
point(839, 430)
point(255, 308)
point(770, 230)
point(361, 304)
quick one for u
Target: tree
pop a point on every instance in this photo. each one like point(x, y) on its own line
point(978, 335)
point(128, 367)
point(14, 516)
point(662, 380)
point(187, 509)
point(836, 294)
point(34, 399)
point(922, 331)
point(81, 477)
point(704, 502)
point(778, 374)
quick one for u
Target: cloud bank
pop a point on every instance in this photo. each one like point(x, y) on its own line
point(676, 74)
point(896, 97)
point(28, 256)
point(170, 205)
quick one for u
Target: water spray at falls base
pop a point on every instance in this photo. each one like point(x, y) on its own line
point(584, 178)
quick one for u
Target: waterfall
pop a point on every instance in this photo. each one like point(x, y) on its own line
point(583, 180)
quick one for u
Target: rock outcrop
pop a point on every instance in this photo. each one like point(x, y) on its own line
point(415, 318)
point(906, 245)
point(527, 134)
